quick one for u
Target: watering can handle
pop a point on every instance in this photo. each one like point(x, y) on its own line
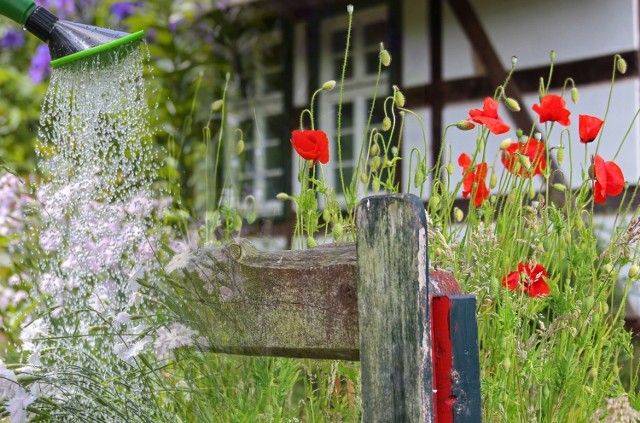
point(18, 10)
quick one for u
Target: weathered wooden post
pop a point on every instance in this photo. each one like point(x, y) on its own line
point(375, 301)
point(397, 352)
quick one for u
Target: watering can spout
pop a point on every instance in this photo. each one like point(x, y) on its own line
point(68, 41)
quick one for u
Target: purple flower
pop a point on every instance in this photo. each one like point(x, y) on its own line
point(12, 39)
point(40, 64)
point(62, 8)
point(124, 9)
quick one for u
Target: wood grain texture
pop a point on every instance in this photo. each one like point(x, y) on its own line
point(299, 303)
point(393, 304)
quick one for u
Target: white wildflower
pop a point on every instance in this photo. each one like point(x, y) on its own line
point(17, 406)
point(8, 384)
point(123, 318)
point(178, 261)
point(127, 354)
point(176, 336)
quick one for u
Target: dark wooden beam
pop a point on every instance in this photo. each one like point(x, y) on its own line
point(437, 86)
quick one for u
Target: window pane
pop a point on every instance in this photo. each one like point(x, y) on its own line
point(347, 115)
point(346, 144)
point(339, 41)
point(337, 66)
point(275, 185)
point(273, 127)
point(376, 33)
point(347, 172)
point(378, 112)
point(274, 158)
point(372, 62)
point(272, 82)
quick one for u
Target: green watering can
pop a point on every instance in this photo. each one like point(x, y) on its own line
point(68, 41)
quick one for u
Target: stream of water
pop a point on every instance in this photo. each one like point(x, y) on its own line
point(98, 165)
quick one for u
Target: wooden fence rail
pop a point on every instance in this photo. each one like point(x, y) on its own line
point(374, 301)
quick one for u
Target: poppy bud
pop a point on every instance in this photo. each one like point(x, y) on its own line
point(493, 180)
point(311, 242)
point(559, 187)
point(399, 98)
point(326, 215)
point(350, 9)
point(329, 85)
point(589, 302)
point(505, 144)
point(506, 364)
point(621, 64)
point(525, 161)
point(519, 133)
point(593, 372)
point(374, 150)
point(537, 136)
point(216, 105)
point(385, 57)
point(375, 185)
point(283, 196)
point(463, 125)
point(560, 155)
point(434, 201)
point(451, 168)
point(386, 123)
point(512, 104)
point(251, 217)
point(552, 55)
point(607, 268)
point(592, 172)
point(375, 163)
point(364, 178)
point(394, 151)
point(419, 178)
point(439, 252)
point(493, 199)
point(458, 215)
point(240, 147)
point(602, 307)
point(633, 271)
point(337, 232)
point(514, 60)
point(575, 95)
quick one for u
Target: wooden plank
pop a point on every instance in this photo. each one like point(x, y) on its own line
point(280, 303)
point(395, 333)
point(465, 369)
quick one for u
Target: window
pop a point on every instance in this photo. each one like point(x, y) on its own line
point(260, 114)
point(368, 31)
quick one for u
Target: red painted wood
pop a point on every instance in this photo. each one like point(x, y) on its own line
point(442, 359)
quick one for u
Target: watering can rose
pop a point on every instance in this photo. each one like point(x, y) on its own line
point(311, 145)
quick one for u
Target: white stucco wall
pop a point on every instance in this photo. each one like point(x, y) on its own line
point(527, 29)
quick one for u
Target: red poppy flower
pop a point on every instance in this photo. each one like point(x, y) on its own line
point(609, 179)
point(473, 182)
point(311, 145)
point(533, 280)
point(533, 149)
point(489, 116)
point(589, 128)
point(552, 109)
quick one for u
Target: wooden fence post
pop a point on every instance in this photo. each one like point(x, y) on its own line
point(375, 301)
point(393, 306)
